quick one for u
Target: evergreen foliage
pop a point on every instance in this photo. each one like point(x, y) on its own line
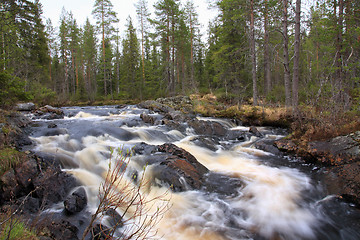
point(164, 53)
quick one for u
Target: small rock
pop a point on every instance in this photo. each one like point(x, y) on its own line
point(147, 118)
point(76, 202)
point(255, 131)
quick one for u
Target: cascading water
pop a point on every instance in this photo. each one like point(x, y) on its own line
point(280, 198)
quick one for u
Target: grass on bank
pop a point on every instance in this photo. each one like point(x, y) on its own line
point(306, 124)
point(14, 229)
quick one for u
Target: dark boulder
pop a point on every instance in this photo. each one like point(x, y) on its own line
point(238, 135)
point(144, 148)
point(76, 202)
point(55, 132)
point(179, 169)
point(52, 186)
point(62, 229)
point(267, 146)
point(10, 188)
point(208, 128)
point(183, 154)
point(26, 173)
point(222, 184)
point(28, 205)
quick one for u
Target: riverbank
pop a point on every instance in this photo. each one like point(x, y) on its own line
point(176, 111)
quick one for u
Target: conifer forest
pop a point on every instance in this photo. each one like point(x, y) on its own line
point(284, 52)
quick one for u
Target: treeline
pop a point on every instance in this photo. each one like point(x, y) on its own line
point(263, 51)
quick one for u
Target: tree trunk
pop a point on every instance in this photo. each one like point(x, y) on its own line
point(267, 73)
point(142, 56)
point(296, 72)
point(103, 46)
point(339, 42)
point(286, 55)
point(192, 53)
point(253, 52)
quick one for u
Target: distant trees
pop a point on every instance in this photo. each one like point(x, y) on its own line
point(23, 46)
point(265, 51)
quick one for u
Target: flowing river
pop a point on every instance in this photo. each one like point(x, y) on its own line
point(279, 198)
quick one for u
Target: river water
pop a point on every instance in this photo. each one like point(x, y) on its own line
point(280, 198)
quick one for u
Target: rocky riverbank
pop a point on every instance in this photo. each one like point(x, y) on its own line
point(38, 183)
point(341, 158)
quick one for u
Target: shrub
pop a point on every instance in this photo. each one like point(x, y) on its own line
point(128, 195)
point(11, 90)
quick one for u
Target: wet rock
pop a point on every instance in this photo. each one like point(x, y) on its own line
point(337, 151)
point(50, 113)
point(207, 128)
point(255, 131)
point(56, 132)
point(183, 154)
point(267, 146)
point(115, 218)
point(341, 156)
point(210, 143)
point(52, 186)
point(22, 140)
point(222, 184)
point(147, 118)
point(143, 148)
point(76, 202)
point(28, 205)
point(180, 170)
point(25, 106)
point(237, 135)
point(52, 125)
point(63, 229)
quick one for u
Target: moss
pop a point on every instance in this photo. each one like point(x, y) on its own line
point(10, 158)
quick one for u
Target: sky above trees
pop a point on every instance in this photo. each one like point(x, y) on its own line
point(83, 8)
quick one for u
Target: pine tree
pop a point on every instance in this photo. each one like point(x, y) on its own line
point(105, 18)
point(131, 59)
point(143, 15)
point(89, 58)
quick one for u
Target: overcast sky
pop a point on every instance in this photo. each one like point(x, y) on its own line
point(83, 8)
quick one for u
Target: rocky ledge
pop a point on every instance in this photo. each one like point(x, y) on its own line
point(341, 158)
